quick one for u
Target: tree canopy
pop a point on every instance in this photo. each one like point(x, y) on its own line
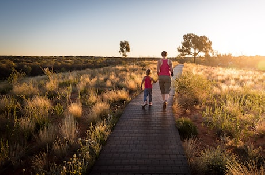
point(194, 44)
point(124, 48)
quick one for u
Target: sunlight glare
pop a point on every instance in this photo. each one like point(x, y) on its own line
point(261, 65)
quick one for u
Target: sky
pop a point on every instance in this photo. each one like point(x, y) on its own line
point(96, 27)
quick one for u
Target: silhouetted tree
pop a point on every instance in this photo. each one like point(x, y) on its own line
point(124, 48)
point(194, 44)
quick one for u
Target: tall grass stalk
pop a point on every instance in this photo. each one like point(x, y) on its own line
point(191, 147)
point(26, 125)
point(250, 168)
point(9, 106)
point(60, 148)
point(69, 129)
point(48, 134)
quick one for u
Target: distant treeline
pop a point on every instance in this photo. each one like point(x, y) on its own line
point(33, 65)
point(245, 62)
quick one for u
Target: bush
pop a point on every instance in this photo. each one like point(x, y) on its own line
point(212, 161)
point(186, 128)
point(192, 89)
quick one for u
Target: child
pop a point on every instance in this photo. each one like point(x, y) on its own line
point(147, 81)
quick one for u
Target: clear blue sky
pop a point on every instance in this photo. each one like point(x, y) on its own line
point(95, 27)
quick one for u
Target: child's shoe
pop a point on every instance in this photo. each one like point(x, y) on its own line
point(150, 104)
point(145, 103)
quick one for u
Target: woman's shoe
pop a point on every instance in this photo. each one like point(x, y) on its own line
point(165, 104)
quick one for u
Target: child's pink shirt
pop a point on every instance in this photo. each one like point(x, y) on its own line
point(147, 82)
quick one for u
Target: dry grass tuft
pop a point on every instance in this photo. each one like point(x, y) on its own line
point(250, 168)
point(7, 103)
point(38, 108)
point(100, 109)
point(75, 109)
point(84, 81)
point(112, 96)
point(93, 97)
point(60, 148)
point(26, 125)
point(131, 84)
point(27, 89)
point(48, 134)
point(52, 85)
point(108, 83)
point(40, 163)
point(191, 147)
point(260, 128)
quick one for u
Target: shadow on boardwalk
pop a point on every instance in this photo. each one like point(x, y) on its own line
point(144, 141)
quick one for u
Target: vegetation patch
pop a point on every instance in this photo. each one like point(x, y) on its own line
point(229, 116)
point(57, 123)
point(186, 128)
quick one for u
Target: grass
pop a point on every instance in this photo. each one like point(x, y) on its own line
point(9, 105)
point(27, 126)
point(186, 128)
point(60, 148)
point(75, 109)
point(27, 89)
point(230, 103)
point(48, 134)
point(211, 161)
point(99, 110)
point(58, 122)
point(37, 109)
point(116, 95)
point(68, 129)
point(191, 146)
point(251, 168)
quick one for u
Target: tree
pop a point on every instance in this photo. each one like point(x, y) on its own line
point(124, 48)
point(194, 44)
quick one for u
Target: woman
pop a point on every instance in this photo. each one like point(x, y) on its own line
point(164, 71)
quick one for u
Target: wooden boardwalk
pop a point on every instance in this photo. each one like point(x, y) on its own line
point(144, 141)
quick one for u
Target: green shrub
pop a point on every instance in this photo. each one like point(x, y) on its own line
point(192, 89)
point(15, 76)
point(186, 128)
point(211, 161)
point(58, 109)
